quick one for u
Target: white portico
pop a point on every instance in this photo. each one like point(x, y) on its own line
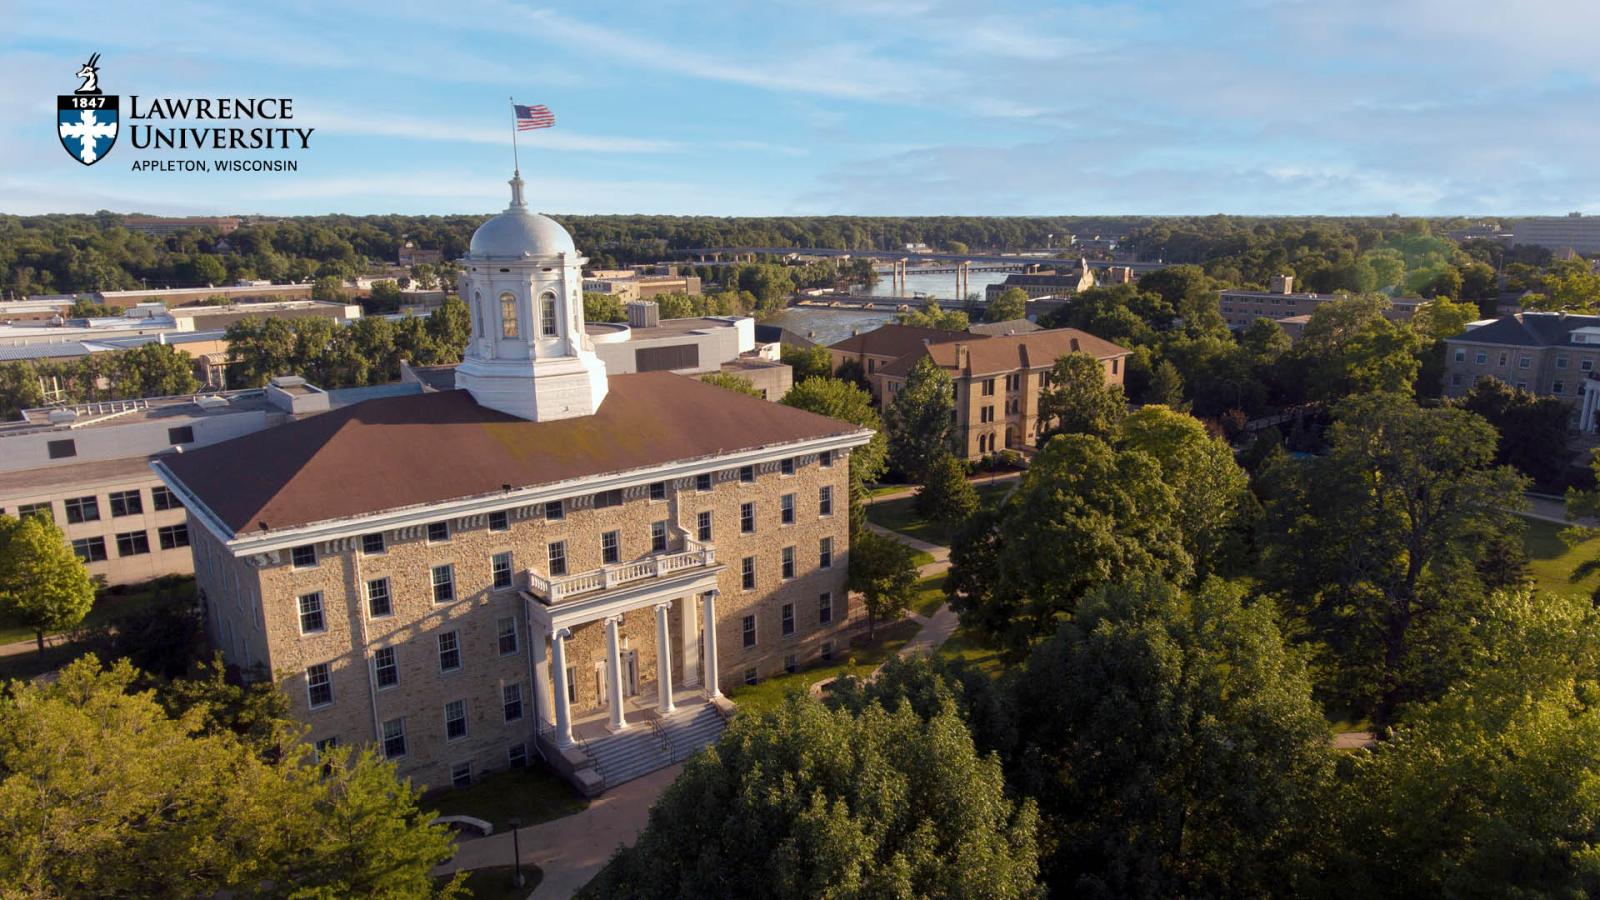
point(528, 355)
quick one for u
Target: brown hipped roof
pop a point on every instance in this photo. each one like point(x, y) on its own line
point(898, 340)
point(1007, 353)
point(405, 451)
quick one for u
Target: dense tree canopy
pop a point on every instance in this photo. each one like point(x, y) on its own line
point(1078, 399)
point(919, 419)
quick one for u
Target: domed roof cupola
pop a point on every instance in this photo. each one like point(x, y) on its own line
point(517, 232)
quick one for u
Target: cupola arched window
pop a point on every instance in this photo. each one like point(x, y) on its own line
point(547, 314)
point(508, 315)
point(478, 312)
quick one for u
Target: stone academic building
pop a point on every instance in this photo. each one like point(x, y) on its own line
point(545, 560)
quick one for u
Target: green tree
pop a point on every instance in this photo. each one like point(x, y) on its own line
point(1076, 399)
point(384, 297)
point(1374, 546)
point(805, 802)
point(1350, 348)
point(450, 326)
point(808, 362)
point(329, 289)
point(1174, 747)
point(1166, 385)
point(1201, 471)
point(42, 584)
point(733, 383)
point(931, 315)
point(103, 794)
point(919, 419)
point(19, 389)
point(884, 572)
point(1011, 304)
point(946, 496)
point(1534, 437)
point(842, 400)
point(1442, 318)
point(599, 307)
point(152, 370)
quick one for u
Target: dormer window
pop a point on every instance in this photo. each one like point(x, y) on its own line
point(547, 314)
point(508, 315)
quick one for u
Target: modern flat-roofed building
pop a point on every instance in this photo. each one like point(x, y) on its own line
point(634, 284)
point(1573, 231)
point(546, 559)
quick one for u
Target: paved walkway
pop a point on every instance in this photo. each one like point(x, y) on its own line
point(571, 850)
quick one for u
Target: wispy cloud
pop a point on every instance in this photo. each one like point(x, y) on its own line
point(369, 125)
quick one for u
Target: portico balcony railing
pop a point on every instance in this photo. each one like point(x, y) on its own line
point(550, 591)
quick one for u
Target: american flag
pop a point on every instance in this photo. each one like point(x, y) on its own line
point(531, 117)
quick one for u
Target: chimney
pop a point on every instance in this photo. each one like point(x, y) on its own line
point(643, 314)
point(961, 357)
point(1282, 284)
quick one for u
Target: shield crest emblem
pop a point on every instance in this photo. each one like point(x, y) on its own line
point(87, 125)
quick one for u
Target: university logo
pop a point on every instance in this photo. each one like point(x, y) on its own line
point(86, 120)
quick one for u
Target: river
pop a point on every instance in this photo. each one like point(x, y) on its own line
point(829, 326)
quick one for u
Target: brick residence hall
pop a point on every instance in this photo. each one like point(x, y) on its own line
point(543, 560)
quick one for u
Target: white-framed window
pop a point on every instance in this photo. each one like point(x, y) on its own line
point(394, 738)
point(658, 537)
point(747, 517)
point(444, 583)
point(788, 619)
point(572, 684)
point(703, 525)
point(558, 557)
point(508, 315)
point(319, 685)
point(507, 629)
point(449, 651)
point(547, 314)
point(751, 676)
point(610, 547)
point(499, 521)
point(786, 509)
point(455, 720)
point(747, 630)
point(303, 556)
point(1557, 387)
point(438, 532)
point(511, 701)
point(825, 500)
point(1480, 357)
point(385, 667)
point(555, 510)
point(372, 544)
point(825, 553)
point(825, 459)
point(500, 565)
point(825, 608)
point(379, 603)
point(788, 563)
point(702, 482)
point(658, 491)
point(790, 663)
point(786, 466)
point(747, 573)
point(461, 774)
point(1524, 362)
point(311, 621)
point(747, 474)
point(517, 756)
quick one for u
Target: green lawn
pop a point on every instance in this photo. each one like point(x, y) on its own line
point(495, 882)
point(533, 794)
point(859, 660)
point(1551, 561)
point(108, 606)
point(900, 514)
point(966, 645)
point(930, 595)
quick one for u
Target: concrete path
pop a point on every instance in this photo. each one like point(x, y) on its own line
point(572, 849)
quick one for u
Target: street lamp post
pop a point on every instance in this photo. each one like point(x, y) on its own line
point(516, 852)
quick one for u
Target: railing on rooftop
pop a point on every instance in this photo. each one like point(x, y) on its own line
point(551, 590)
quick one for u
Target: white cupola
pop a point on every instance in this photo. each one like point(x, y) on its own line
point(529, 355)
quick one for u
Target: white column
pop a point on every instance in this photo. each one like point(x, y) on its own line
point(691, 637)
point(708, 622)
point(558, 666)
point(663, 660)
point(543, 702)
point(614, 674)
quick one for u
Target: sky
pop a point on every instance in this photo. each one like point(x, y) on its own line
point(852, 107)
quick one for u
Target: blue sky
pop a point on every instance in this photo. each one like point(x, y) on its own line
point(852, 107)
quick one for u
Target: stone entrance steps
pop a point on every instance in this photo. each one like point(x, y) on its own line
point(654, 742)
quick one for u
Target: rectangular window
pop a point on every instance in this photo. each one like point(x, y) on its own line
point(825, 608)
point(378, 601)
point(62, 449)
point(748, 630)
point(90, 549)
point(183, 434)
point(748, 573)
point(511, 701)
point(747, 518)
point(825, 500)
point(572, 684)
point(658, 537)
point(385, 669)
point(394, 739)
point(788, 563)
point(610, 547)
point(827, 651)
point(455, 720)
point(1524, 362)
point(162, 497)
point(1557, 387)
point(372, 544)
point(702, 482)
point(1561, 361)
point(508, 315)
point(126, 503)
point(547, 316)
point(37, 509)
point(438, 532)
point(83, 509)
point(326, 746)
point(1461, 355)
point(703, 526)
point(1480, 358)
point(558, 558)
point(555, 510)
point(786, 509)
point(499, 521)
point(311, 613)
point(133, 543)
point(444, 583)
point(461, 775)
point(1504, 357)
point(658, 490)
point(607, 499)
point(825, 553)
point(449, 652)
point(1585, 365)
point(319, 685)
point(517, 756)
point(988, 387)
point(788, 619)
point(303, 556)
point(507, 627)
point(500, 565)
point(790, 663)
point(747, 474)
point(825, 459)
point(751, 676)
point(786, 466)
point(173, 536)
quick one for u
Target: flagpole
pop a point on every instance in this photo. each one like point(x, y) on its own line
point(516, 163)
